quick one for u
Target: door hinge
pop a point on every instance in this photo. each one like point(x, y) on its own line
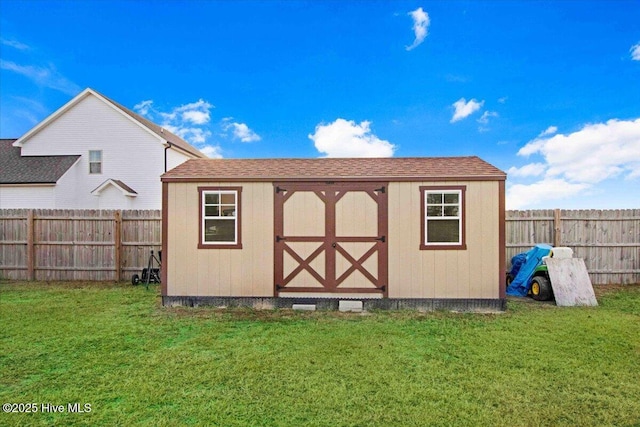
point(278, 238)
point(381, 189)
point(382, 239)
point(279, 189)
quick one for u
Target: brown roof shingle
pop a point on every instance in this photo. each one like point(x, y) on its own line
point(340, 169)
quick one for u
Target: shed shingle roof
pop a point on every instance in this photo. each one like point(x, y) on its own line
point(388, 169)
point(16, 169)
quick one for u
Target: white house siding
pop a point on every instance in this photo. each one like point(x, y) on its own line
point(63, 195)
point(129, 153)
point(112, 198)
point(20, 197)
point(175, 157)
point(68, 193)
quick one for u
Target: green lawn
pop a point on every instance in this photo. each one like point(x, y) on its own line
point(136, 363)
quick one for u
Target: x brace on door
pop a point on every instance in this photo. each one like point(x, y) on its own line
point(336, 239)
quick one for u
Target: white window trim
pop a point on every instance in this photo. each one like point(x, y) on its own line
point(94, 162)
point(220, 217)
point(428, 218)
point(460, 217)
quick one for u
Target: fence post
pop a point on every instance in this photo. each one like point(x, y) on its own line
point(557, 228)
point(30, 246)
point(117, 237)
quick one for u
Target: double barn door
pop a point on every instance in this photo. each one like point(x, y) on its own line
point(331, 238)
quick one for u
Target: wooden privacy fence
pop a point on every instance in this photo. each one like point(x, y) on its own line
point(112, 245)
point(53, 244)
point(608, 240)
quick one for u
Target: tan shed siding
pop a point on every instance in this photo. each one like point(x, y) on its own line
point(470, 273)
point(220, 272)
point(475, 224)
point(489, 244)
point(304, 215)
point(356, 215)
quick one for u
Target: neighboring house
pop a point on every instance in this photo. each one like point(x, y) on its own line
point(391, 232)
point(92, 153)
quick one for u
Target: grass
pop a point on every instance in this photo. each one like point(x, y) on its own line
point(113, 346)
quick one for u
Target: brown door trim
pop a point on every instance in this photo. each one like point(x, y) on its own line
point(330, 193)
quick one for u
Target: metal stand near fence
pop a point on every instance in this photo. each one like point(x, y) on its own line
point(151, 274)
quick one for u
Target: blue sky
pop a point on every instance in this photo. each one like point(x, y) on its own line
point(547, 91)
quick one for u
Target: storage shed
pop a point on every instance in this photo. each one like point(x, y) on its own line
point(423, 233)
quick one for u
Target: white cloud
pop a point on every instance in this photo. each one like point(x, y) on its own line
point(29, 109)
point(345, 138)
point(33, 105)
point(46, 77)
point(27, 115)
point(240, 130)
point(576, 162)
point(195, 112)
point(420, 26)
point(592, 154)
point(532, 169)
point(531, 147)
point(521, 196)
point(192, 122)
point(635, 52)
point(484, 120)
point(211, 151)
point(634, 171)
point(188, 121)
point(14, 44)
point(143, 107)
point(195, 117)
point(193, 135)
point(167, 117)
point(503, 99)
point(464, 109)
point(549, 131)
point(486, 116)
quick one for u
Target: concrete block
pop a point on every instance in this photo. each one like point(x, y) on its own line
point(348, 305)
point(304, 307)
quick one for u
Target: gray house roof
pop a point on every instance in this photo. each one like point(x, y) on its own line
point(15, 169)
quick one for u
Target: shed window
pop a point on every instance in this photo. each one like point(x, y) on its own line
point(443, 218)
point(95, 161)
point(220, 218)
